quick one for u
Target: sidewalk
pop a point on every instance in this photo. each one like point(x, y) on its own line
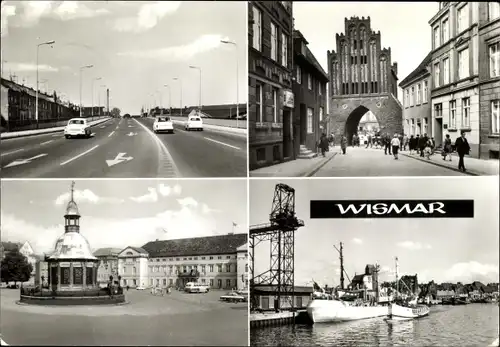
point(475, 167)
point(296, 168)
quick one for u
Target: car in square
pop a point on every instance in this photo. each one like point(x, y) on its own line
point(234, 297)
point(194, 123)
point(192, 287)
point(163, 124)
point(77, 127)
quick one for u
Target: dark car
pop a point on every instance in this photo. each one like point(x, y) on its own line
point(126, 115)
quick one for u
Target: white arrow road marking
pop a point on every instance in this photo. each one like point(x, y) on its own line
point(79, 155)
point(132, 134)
point(2, 342)
point(17, 150)
point(103, 126)
point(44, 143)
point(111, 133)
point(221, 143)
point(119, 159)
point(25, 161)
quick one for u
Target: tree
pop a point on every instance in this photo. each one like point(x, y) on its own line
point(15, 267)
point(115, 112)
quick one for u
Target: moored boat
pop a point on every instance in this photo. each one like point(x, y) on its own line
point(408, 312)
point(323, 311)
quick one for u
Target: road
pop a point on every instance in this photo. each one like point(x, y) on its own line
point(370, 162)
point(178, 319)
point(126, 148)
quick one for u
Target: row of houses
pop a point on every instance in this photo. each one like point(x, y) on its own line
point(287, 87)
point(456, 87)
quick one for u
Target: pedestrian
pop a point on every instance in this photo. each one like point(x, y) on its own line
point(369, 141)
point(411, 144)
point(354, 140)
point(323, 144)
point(405, 142)
point(422, 142)
point(387, 143)
point(332, 140)
point(462, 147)
point(396, 144)
point(433, 145)
point(447, 147)
point(343, 144)
point(400, 137)
point(417, 144)
point(428, 149)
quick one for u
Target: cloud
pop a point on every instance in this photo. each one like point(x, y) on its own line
point(32, 11)
point(152, 196)
point(468, 272)
point(207, 210)
point(415, 246)
point(86, 196)
point(154, 193)
point(69, 10)
point(357, 241)
point(187, 202)
point(25, 67)
point(165, 190)
point(148, 17)
point(6, 11)
point(203, 44)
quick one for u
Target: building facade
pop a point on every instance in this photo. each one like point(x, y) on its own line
point(417, 115)
point(108, 264)
point(362, 79)
point(309, 89)
point(264, 298)
point(133, 267)
point(489, 79)
point(271, 100)
point(242, 267)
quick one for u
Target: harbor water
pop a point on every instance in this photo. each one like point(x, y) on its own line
point(468, 325)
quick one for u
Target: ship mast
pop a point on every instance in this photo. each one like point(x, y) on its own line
point(397, 279)
point(341, 267)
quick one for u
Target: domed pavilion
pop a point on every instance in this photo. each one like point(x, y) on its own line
point(72, 266)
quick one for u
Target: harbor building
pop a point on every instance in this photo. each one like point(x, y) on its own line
point(309, 89)
point(108, 264)
point(417, 115)
point(271, 99)
point(263, 298)
point(362, 78)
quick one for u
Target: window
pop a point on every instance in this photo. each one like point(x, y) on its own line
point(274, 42)
point(309, 120)
point(412, 98)
point(284, 50)
point(446, 71)
point(320, 113)
point(228, 283)
point(493, 10)
point(463, 18)
point(463, 63)
point(309, 81)
point(453, 115)
point(257, 28)
point(407, 98)
point(219, 268)
point(495, 60)
point(426, 125)
point(446, 30)
point(466, 113)
point(275, 105)
point(495, 117)
point(258, 105)
point(436, 37)
point(438, 111)
point(319, 87)
point(299, 75)
point(419, 93)
point(424, 96)
point(246, 267)
point(437, 74)
point(210, 268)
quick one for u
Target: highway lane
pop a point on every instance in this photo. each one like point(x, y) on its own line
point(125, 148)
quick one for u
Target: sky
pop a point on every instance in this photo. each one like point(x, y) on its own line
point(403, 27)
point(456, 250)
point(135, 48)
point(121, 213)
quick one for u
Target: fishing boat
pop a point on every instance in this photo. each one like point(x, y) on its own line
point(410, 310)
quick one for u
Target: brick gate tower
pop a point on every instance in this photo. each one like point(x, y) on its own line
point(362, 79)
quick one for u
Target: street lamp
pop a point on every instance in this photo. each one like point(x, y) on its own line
point(180, 81)
point(36, 98)
point(92, 97)
point(81, 69)
point(199, 69)
point(237, 81)
point(169, 98)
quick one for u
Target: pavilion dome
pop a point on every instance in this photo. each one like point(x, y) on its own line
point(72, 209)
point(72, 245)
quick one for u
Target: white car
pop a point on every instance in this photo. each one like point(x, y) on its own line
point(194, 123)
point(77, 127)
point(163, 123)
point(234, 297)
point(192, 287)
point(140, 288)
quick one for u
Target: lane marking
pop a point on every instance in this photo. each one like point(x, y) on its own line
point(44, 143)
point(25, 161)
point(111, 133)
point(12, 152)
point(2, 342)
point(79, 155)
point(221, 143)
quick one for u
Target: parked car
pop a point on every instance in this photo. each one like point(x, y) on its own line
point(77, 127)
point(126, 115)
point(234, 297)
point(194, 122)
point(163, 123)
point(140, 288)
point(192, 287)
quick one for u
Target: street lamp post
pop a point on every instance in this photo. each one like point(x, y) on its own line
point(169, 98)
point(199, 69)
point(36, 98)
point(180, 81)
point(237, 81)
point(92, 97)
point(81, 69)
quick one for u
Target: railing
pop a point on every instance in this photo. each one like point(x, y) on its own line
point(31, 124)
point(37, 291)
